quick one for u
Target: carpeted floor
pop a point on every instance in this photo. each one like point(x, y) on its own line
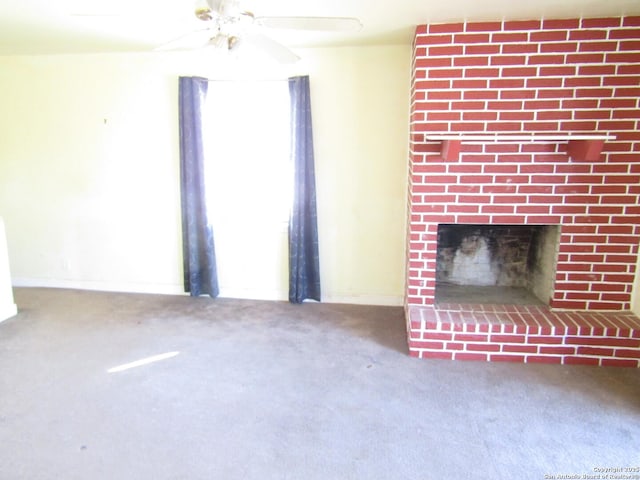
point(268, 390)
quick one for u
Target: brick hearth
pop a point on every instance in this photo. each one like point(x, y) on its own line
point(539, 78)
point(526, 334)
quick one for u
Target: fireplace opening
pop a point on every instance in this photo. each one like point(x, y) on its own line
point(496, 264)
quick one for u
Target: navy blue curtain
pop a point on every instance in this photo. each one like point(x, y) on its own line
point(200, 276)
point(304, 264)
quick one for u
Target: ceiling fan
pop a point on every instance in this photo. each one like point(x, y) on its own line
point(229, 27)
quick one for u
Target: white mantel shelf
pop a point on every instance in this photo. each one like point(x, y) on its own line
point(584, 147)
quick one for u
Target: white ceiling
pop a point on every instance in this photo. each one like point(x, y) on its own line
point(76, 26)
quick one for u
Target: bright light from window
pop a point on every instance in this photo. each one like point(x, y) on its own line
point(247, 143)
point(143, 361)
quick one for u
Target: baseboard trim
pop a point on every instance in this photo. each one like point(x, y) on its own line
point(164, 289)
point(253, 294)
point(383, 301)
point(124, 287)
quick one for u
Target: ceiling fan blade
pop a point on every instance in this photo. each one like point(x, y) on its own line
point(188, 41)
point(329, 24)
point(96, 15)
point(275, 50)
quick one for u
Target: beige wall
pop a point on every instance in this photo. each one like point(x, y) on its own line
point(89, 174)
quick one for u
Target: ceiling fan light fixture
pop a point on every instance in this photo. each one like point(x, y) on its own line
point(203, 11)
point(229, 27)
point(233, 43)
point(220, 41)
point(204, 15)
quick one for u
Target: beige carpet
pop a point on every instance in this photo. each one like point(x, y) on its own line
point(268, 390)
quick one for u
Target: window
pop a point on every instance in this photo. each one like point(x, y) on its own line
point(249, 180)
point(247, 150)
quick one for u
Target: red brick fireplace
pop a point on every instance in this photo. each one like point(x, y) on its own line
point(529, 123)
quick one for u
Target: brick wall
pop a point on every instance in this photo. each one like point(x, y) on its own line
point(550, 76)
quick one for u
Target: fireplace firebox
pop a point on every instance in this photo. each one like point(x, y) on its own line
point(496, 263)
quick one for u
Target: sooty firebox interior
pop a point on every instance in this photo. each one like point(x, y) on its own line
point(496, 263)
